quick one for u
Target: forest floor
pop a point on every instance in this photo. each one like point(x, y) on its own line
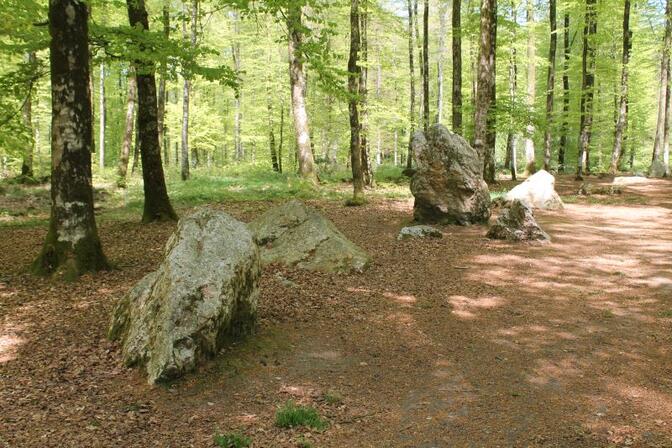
point(454, 342)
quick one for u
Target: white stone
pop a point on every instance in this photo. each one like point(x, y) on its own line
point(538, 191)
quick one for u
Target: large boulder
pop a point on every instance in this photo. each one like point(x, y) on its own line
point(203, 294)
point(448, 185)
point(296, 235)
point(516, 223)
point(538, 191)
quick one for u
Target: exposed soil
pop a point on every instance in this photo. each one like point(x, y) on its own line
point(457, 342)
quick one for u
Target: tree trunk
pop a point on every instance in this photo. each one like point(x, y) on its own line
point(550, 84)
point(27, 165)
point(354, 89)
point(457, 67)
point(411, 66)
point(269, 107)
point(425, 67)
point(162, 87)
point(421, 64)
point(659, 142)
point(443, 25)
point(282, 136)
point(122, 166)
point(530, 156)
point(297, 79)
point(367, 169)
point(622, 109)
point(565, 98)
point(587, 87)
point(186, 95)
point(157, 204)
point(72, 246)
point(511, 162)
point(136, 146)
point(485, 101)
point(238, 97)
point(666, 138)
point(102, 115)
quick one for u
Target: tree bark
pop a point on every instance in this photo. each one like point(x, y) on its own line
point(186, 95)
point(457, 67)
point(550, 84)
point(157, 204)
point(367, 169)
point(659, 142)
point(485, 101)
point(530, 156)
point(622, 110)
point(587, 87)
point(162, 87)
point(443, 25)
point(354, 89)
point(565, 97)
point(511, 162)
point(102, 116)
point(122, 166)
point(425, 67)
point(238, 97)
point(27, 165)
point(72, 246)
point(411, 67)
point(269, 107)
point(297, 80)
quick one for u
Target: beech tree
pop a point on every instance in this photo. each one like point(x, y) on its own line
point(72, 246)
point(622, 119)
point(530, 155)
point(658, 158)
point(157, 205)
point(587, 89)
point(484, 141)
point(457, 67)
point(354, 89)
point(550, 84)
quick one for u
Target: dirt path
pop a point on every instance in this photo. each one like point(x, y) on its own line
point(459, 342)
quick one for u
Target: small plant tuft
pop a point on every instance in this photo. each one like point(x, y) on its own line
point(232, 440)
point(290, 416)
point(355, 202)
point(332, 397)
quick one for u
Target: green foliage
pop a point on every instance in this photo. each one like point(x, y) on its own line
point(232, 440)
point(291, 415)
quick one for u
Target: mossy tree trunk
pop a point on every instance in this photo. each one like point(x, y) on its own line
point(157, 204)
point(72, 246)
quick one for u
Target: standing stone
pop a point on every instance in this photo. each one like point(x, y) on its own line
point(203, 293)
point(516, 223)
point(448, 185)
point(296, 235)
point(538, 191)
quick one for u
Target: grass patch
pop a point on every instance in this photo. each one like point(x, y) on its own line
point(290, 416)
point(666, 314)
point(332, 397)
point(232, 440)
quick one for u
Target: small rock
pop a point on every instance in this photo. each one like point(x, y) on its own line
point(419, 232)
point(516, 223)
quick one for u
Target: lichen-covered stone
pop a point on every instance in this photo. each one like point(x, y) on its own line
point(203, 293)
point(538, 191)
point(516, 223)
point(448, 184)
point(296, 235)
point(419, 232)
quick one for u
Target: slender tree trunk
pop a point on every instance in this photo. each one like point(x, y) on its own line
point(269, 107)
point(238, 97)
point(565, 97)
point(122, 166)
point(27, 165)
point(419, 43)
point(550, 84)
point(659, 142)
point(136, 146)
point(510, 162)
point(72, 246)
point(530, 156)
point(162, 87)
point(443, 26)
point(457, 67)
point(485, 101)
point(282, 136)
point(622, 109)
point(367, 169)
point(354, 89)
point(411, 66)
point(425, 67)
point(587, 87)
point(102, 116)
point(186, 95)
point(666, 138)
point(157, 204)
point(297, 80)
